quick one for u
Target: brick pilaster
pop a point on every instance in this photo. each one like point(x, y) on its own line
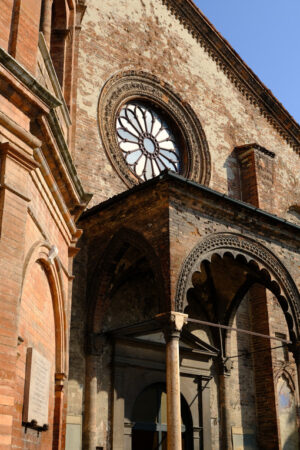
point(15, 167)
point(263, 371)
point(257, 175)
point(23, 43)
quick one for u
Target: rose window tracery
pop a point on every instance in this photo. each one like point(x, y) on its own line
point(147, 140)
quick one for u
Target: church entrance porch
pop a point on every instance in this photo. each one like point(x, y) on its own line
point(171, 247)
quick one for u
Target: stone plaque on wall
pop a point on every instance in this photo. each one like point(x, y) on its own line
point(36, 394)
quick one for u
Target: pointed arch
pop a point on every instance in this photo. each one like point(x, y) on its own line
point(106, 265)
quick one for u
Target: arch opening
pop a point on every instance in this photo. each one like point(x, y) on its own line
point(131, 286)
point(234, 281)
point(218, 288)
point(149, 418)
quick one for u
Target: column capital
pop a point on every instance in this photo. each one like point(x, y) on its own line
point(60, 379)
point(172, 323)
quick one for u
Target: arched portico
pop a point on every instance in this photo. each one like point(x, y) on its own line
point(244, 250)
point(126, 287)
point(214, 280)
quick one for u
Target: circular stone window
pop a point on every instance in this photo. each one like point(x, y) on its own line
point(146, 128)
point(147, 140)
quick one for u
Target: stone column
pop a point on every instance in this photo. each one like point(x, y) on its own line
point(172, 324)
point(224, 366)
point(94, 349)
point(46, 19)
point(90, 422)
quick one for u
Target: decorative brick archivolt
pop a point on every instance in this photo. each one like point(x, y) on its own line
point(42, 252)
point(237, 246)
point(141, 86)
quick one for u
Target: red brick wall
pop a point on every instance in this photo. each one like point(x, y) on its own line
point(24, 32)
point(263, 370)
point(37, 328)
point(5, 21)
point(144, 35)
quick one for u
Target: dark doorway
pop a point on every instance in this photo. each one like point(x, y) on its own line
point(150, 420)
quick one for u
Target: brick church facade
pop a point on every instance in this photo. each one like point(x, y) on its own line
point(149, 234)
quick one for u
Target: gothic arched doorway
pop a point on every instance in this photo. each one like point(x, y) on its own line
point(150, 420)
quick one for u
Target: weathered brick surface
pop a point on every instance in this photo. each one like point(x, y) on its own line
point(28, 305)
point(166, 222)
point(38, 307)
point(188, 221)
point(37, 328)
point(144, 35)
point(24, 32)
point(5, 19)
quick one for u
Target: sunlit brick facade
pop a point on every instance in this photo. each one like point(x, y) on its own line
point(147, 177)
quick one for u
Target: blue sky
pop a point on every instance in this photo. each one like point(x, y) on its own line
point(266, 34)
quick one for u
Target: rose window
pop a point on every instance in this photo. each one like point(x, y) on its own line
point(147, 141)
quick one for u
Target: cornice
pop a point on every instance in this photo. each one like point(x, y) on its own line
point(236, 69)
point(38, 103)
point(49, 178)
point(243, 149)
point(49, 126)
point(19, 131)
point(213, 204)
point(53, 78)
point(23, 76)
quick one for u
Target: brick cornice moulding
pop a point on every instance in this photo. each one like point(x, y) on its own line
point(36, 101)
point(50, 127)
point(212, 204)
point(242, 150)
point(18, 131)
point(236, 69)
point(55, 191)
point(28, 80)
point(23, 158)
point(53, 77)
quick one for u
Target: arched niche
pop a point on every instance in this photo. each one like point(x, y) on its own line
point(127, 285)
point(42, 325)
point(39, 254)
